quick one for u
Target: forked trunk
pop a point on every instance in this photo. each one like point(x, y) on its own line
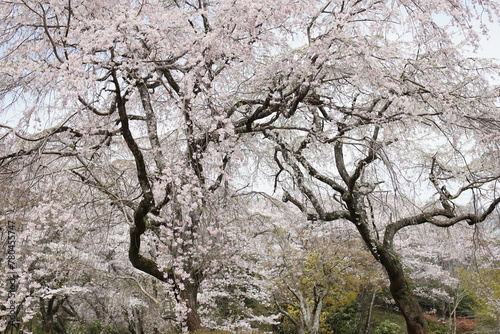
point(400, 289)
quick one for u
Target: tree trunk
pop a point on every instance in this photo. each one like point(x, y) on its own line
point(47, 315)
point(400, 289)
point(402, 293)
point(362, 303)
point(316, 317)
point(189, 297)
point(193, 319)
point(301, 329)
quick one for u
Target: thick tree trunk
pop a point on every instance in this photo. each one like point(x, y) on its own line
point(402, 293)
point(193, 321)
point(189, 297)
point(399, 287)
point(47, 316)
point(50, 323)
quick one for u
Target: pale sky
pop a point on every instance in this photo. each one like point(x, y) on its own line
point(490, 48)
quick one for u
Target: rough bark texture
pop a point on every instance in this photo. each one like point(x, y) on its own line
point(402, 293)
point(188, 296)
point(49, 310)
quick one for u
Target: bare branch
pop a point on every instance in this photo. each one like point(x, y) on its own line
point(371, 156)
point(444, 195)
point(339, 161)
point(299, 176)
point(87, 105)
point(47, 32)
point(438, 217)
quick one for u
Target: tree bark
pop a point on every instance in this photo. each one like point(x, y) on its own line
point(399, 287)
point(47, 316)
point(402, 293)
point(48, 312)
point(189, 297)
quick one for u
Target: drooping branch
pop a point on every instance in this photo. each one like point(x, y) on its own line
point(42, 142)
point(286, 105)
point(286, 313)
point(96, 183)
point(370, 157)
point(473, 185)
point(49, 132)
point(171, 81)
point(471, 219)
point(393, 228)
point(263, 109)
point(49, 36)
point(325, 216)
point(444, 195)
point(299, 176)
point(289, 198)
point(218, 181)
point(131, 278)
point(317, 175)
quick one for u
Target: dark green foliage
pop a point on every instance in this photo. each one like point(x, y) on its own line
point(342, 321)
point(434, 327)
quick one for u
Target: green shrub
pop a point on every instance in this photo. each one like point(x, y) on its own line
point(343, 321)
point(387, 327)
